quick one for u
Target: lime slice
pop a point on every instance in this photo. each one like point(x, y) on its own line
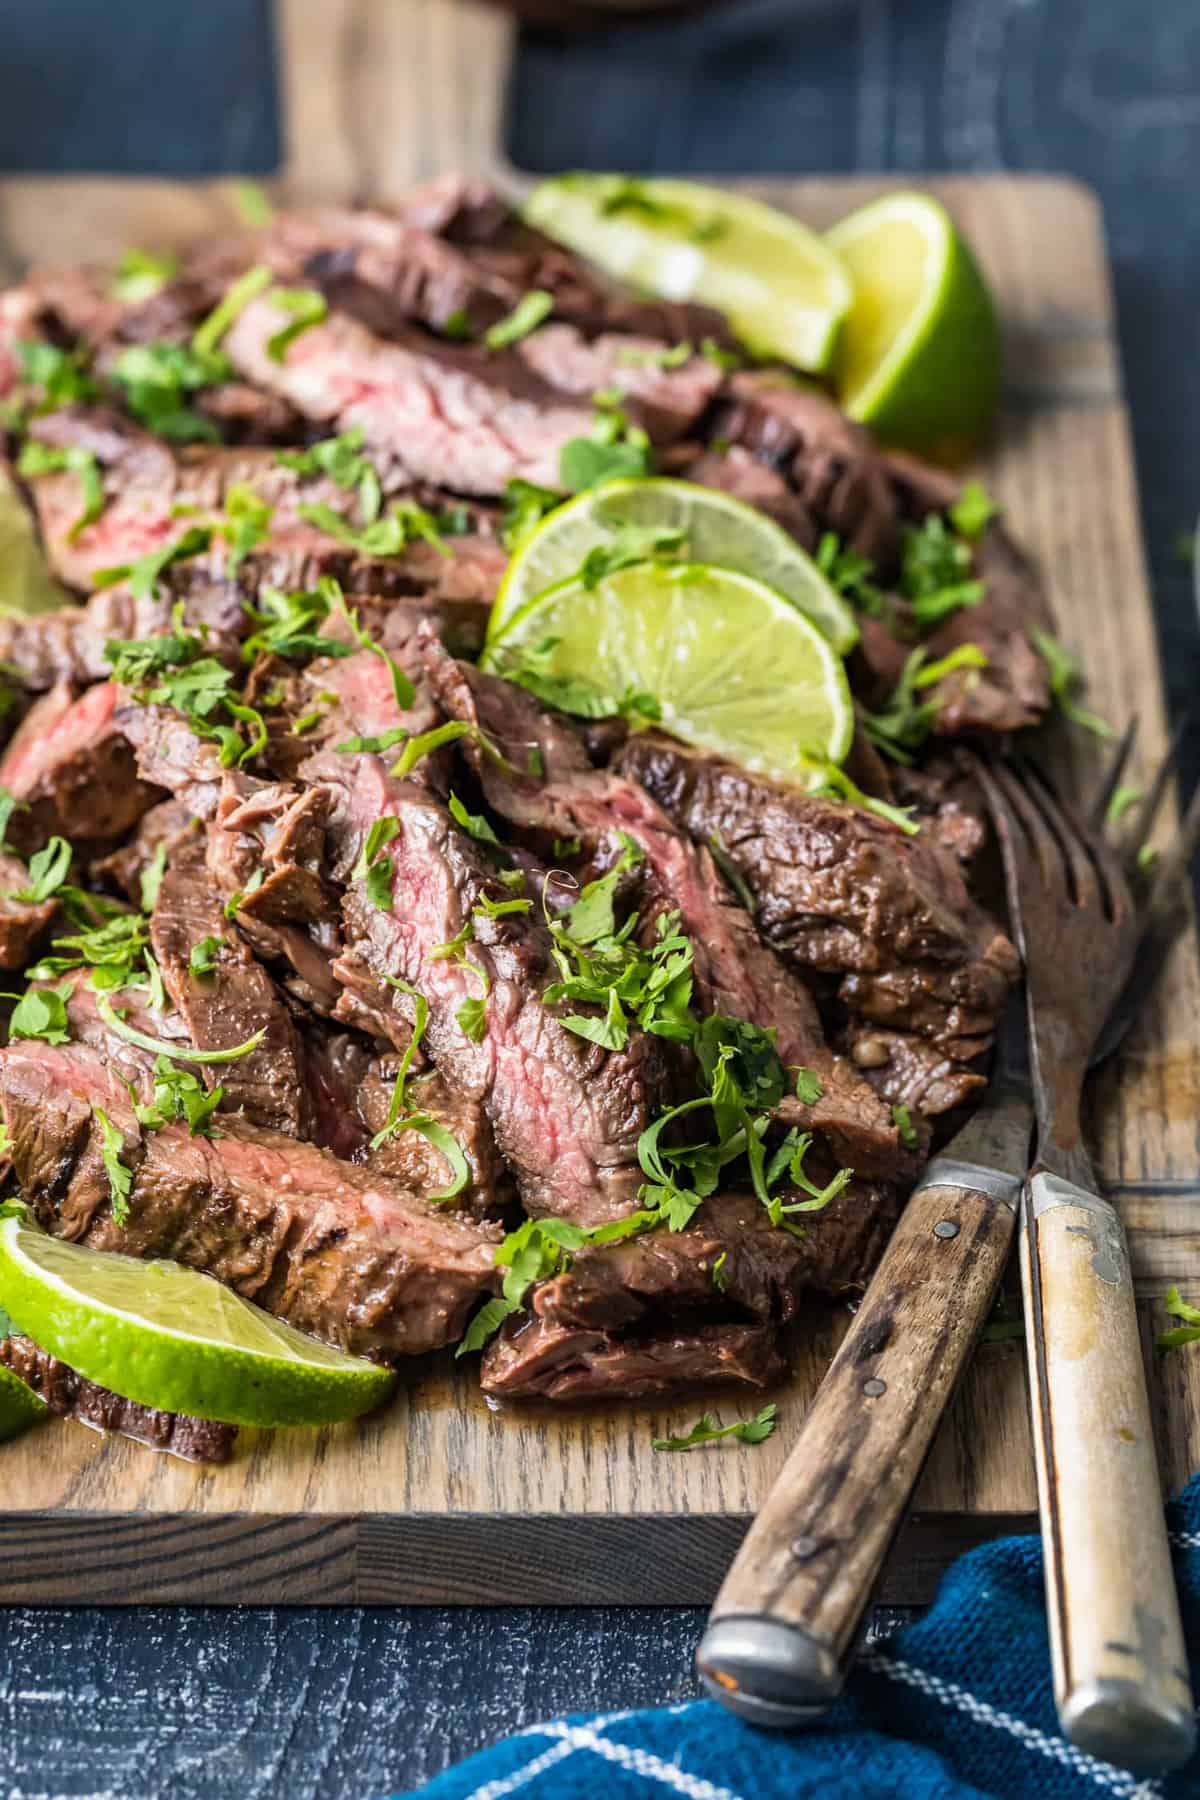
point(783, 290)
point(714, 528)
point(20, 1407)
point(172, 1338)
point(919, 356)
point(732, 665)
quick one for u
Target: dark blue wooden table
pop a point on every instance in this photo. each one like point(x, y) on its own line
point(316, 1705)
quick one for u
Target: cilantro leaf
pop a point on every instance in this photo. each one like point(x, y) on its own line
point(120, 1178)
point(1186, 1333)
point(41, 1013)
point(1065, 679)
point(246, 523)
point(973, 509)
point(158, 378)
point(178, 1094)
point(525, 506)
point(525, 317)
point(62, 375)
point(43, 459)
point(306, 307)
point(902, 1120)
point(143, 575)
point(9, 804)
point(176, 1052)
point(141, 274)
point(474, 824)
point(152, 876)
point(342, 459)
point(471, 1019)
point(372, 746)
point(707, 1431)
point(850, 574)
point(48, 870)
point(373, 867)
point(615, 448)
point(809, 1086)
point(203, 958)
point(396, 1107)
point(237, 298)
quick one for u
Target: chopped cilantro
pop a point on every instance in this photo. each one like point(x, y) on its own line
point(246, 523)
point(144, 575)
point(935, 572)
point(141, 274)
point(525, 317)
point(973, 509)
point(62, 375)
point(120, 1178)
point(42, 459)
point(178, 1094)
point(246, 288)
point(837, 785)
point(48, 870)
point(850, 574)
point(707, 1431)
point(388, 536)
point(809, 1086)
point(203, 958)
point(630, 544)
point(902, 1120)
point(41, 1013)
point(1123, 800)
point(615, 448)
point(373, 867)
point(371, 746)
point(474, 824)
point(157, 378)
point(305, 306)
point(152, 876)
point(1065, 678)
point(9, 804)
point(525, 505)
point(342, 459)
point(1186, 1333)
point(427, 741)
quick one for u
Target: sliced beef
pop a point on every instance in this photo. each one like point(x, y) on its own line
point(738, 472)
point(71, 1396)
point(736, 973)
point(843, 894)
point(71, 765)
point(226, 1007)
point(831, 464)
point(22, 922)
point(668, 401)
point(167, 752)
point(70, 644)
point(763, 1268)
point(336, 1250)
point(413, 1160)
point(566, 1114)
point(536, 1360)
point(169, 824)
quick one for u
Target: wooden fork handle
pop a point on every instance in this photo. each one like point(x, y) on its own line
point(785, 1619)
point(1120, 1669)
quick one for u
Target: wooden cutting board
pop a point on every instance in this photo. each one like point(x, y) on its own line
point(442, 1499)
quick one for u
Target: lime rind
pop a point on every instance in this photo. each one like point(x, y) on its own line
point(935, 387)
point(735, 668)
point(247, 1368)
point(783, 290)
point(20, 1407)
point(720, 529)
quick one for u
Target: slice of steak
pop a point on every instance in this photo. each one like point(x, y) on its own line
point(669, 402)
point(540, 1361)
point(72, 766)
point(228, 1004)
point(763, 1268)
point(23, 923)
point(336, 1250)
point(168, 825)
point(70, 644)
point(566, 1114)
point(72, 1396)
point(736, 973)
point(830, 463)
point(167, 753)
point(738, 472)
point(414, 1161)
point(843, 894)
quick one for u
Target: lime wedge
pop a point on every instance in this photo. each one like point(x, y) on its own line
point(26, 584)
point(172, 1338)
point(732, 666)
point(919, 355)
point(20, 1407)
point(783, 290)
point(713, 528)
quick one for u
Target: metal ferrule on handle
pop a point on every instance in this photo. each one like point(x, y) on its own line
point(1120, 1669)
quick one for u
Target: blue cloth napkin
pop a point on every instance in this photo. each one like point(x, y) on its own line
point(954, 1707)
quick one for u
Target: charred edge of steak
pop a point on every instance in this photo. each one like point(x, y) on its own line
point(72, 1396)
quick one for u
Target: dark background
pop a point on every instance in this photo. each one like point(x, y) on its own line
point(306, 1703)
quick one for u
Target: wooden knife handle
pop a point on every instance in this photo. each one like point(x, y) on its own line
point(777, 1641)
point(1120, 1669)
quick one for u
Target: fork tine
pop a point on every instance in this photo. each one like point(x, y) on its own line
point(1143, 820)
point(1111, 779)
point(1024, 817)
point(1088, 877)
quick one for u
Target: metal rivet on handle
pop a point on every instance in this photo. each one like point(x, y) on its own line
point(874, 1387)
point(803, 1548)
point(946, 1228)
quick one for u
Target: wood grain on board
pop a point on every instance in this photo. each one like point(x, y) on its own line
point(442, 1499)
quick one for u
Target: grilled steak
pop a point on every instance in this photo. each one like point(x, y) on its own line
point(71, 1396)
point(230, 1001)
point(540, 1361)
point(336, 1250)
point(841, 893)
point(22, 922)
point(72, 767)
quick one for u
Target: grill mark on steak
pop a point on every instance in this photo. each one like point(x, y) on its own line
point(537, 1360)
point(846, 895)
point(72, 1396)
point(765, 1269)
point(225, 1008)
point(335, 1250)
point(71, 765)
point(831, 464)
